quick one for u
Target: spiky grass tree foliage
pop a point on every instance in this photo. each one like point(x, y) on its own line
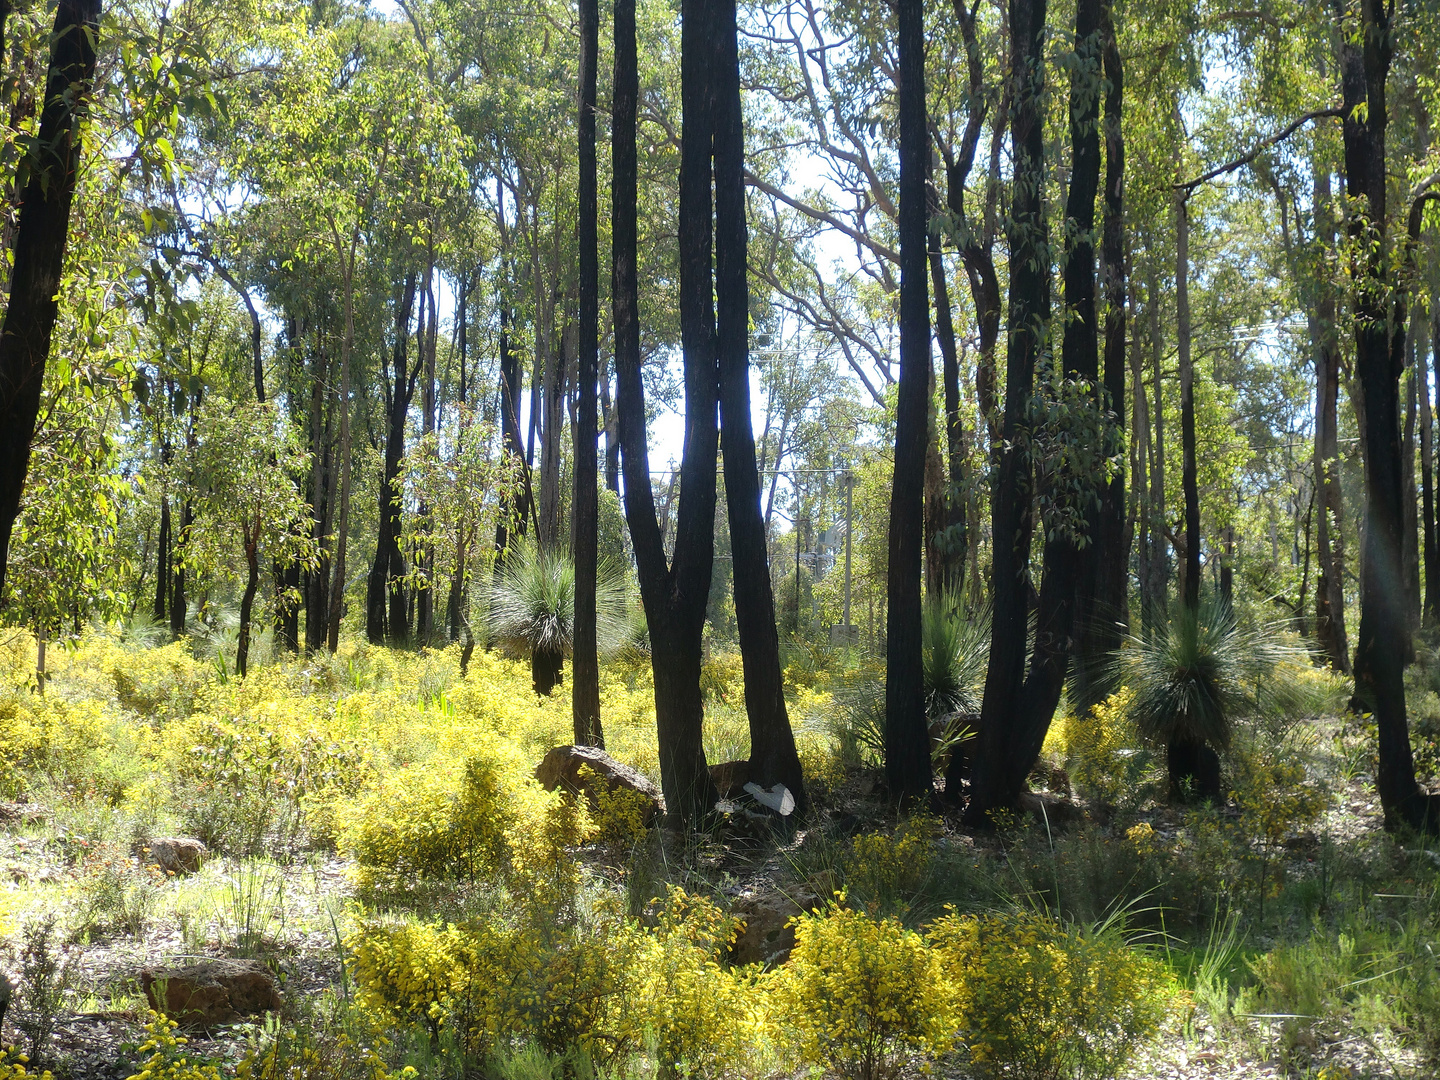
point(955, 647)
point(532, 607)
point(1195, 677)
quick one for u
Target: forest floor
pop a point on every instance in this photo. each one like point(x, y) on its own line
point(1299, 936)
point(296, 911)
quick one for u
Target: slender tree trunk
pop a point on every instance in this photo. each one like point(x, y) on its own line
point(1188, 474)
point(342, 467)
point(584, 537)
point(247, 601)
point(1068, 563)
point(674, 595)
point(385, 589)
point(39, 255)
point(955, 546)
point(1379, 357)
point(1427, 473)
point(773, 757)
point(425, 558)
point(1140, 479)
point(323, 463)
point(907, 737)
point(161, 608)
point(1159, 585)
point(1329, 530)
point(1410, 522)
point(1028, 318)
point(1104, 609)
point(612, 441)
point(179, 608)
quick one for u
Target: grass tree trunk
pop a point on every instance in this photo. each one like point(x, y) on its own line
point(585, 505)
point(907, 738)
point(1028, 318)
point(674, 595)
point(773, 757)
point(1379, 358)
point(39, 254)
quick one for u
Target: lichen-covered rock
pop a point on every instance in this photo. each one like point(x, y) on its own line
point(766, 936)
point(210, 993)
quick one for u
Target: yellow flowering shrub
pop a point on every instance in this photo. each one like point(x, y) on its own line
point(155, 682)
point(168, 1058)
point(600, 984)
point(886, 869)
point(621, 813)
point(13, 1068)
point(700, 1015)
point(1043, 1000)
point(430, 822)
point(860, 995)
point(1103, 753)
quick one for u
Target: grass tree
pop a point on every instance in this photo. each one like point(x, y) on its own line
point(1194, 677)
point(532, 607)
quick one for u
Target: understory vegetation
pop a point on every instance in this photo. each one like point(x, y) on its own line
point(378, 838)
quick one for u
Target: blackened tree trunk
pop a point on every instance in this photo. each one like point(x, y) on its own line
point(1103, 605)
point(1028, 318)
point(584, 538)
point(425, 558)
point(1068, 558)
point(1329, 530)
point(161, 608)
point(1159, 584)
point(39, 255)
point(317, 579)
point(1409, 496)
point(953, 546)
point(1188, 476)
point(1427, 473)
point(907, 738)
point(773, 757)
point(179, 603)
point(251, 543)
point(1379, 358)
point(974, 239)
point(513, 515)
point(673, 593)
point(384, 589)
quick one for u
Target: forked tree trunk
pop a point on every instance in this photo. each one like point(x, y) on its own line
point(1028, 319)
point(907, 737)
point(773, 757)
point(584, 540)
point(39, 255)
point(674, 594)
